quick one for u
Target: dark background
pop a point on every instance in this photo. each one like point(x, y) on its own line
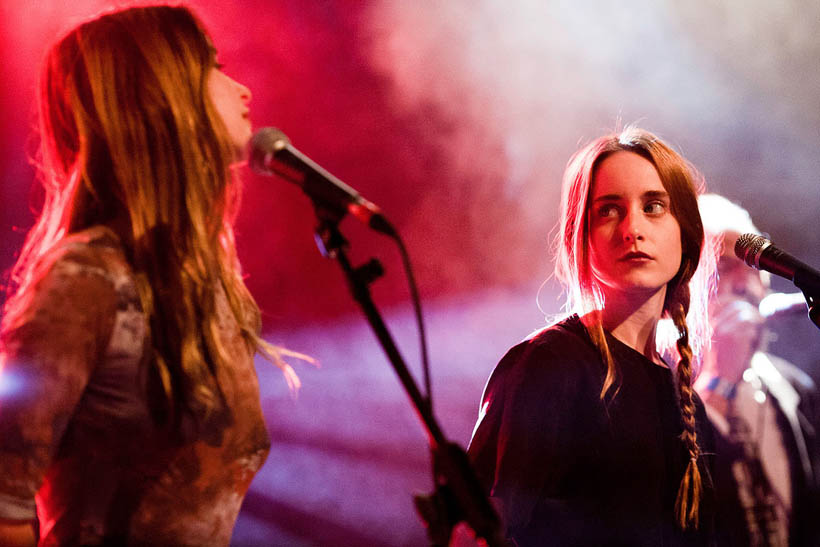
point(457, 118)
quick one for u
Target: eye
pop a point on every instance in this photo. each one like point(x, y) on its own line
point(654, 208)
point(607, 210)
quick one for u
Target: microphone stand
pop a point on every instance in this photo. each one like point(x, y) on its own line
point(458, 495)
point(814, 308)
point(810, 287)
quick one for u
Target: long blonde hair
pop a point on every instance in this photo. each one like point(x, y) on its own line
point(584, 293)
point(131, 140)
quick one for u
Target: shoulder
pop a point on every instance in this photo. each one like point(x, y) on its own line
point(561, 335)
point(92, 259)
point(566, 340)
point(81, 275)
point(555, 355)
point(95, 251)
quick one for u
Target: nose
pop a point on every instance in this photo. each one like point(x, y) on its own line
point(632, 227)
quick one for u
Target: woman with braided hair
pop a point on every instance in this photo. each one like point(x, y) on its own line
point(586, 434)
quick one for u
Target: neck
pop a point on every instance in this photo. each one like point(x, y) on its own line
point(634, 320)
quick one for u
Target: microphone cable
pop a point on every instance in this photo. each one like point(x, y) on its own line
point(416, 300)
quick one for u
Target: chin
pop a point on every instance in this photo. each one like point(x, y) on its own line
point(640, 286)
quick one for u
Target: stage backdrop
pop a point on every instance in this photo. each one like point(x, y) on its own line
point(457, 118)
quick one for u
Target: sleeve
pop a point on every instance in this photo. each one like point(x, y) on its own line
point(522, 444)
point(54, 333)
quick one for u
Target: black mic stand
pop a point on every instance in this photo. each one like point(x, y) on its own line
point(814, 308)
point(458, 495)
point(810, 287)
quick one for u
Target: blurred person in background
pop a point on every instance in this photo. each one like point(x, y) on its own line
point(766, 411)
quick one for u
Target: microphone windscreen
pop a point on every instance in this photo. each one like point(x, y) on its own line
point(265, 142)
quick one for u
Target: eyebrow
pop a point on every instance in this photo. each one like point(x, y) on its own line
point(650, 194)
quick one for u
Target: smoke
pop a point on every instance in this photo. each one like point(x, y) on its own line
point(536, 76)
point(771, 46)
point(458, 117)
point(521, 85)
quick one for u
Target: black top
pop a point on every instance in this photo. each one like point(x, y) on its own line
point(567, 468)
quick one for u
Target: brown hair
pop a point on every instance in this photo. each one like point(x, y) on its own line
point(584, 293)
point(131, 140)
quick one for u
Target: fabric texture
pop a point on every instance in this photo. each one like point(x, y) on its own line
point(76, 423)
point(567, 468)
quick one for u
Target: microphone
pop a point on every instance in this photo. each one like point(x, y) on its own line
point(272, 154)
point(759, 253)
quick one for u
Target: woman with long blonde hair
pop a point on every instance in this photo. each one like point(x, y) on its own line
point(129, 334)
point(586, 434)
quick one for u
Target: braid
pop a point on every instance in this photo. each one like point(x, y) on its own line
point(686, 504)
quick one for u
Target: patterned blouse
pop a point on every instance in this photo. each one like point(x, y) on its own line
point(76, 428)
